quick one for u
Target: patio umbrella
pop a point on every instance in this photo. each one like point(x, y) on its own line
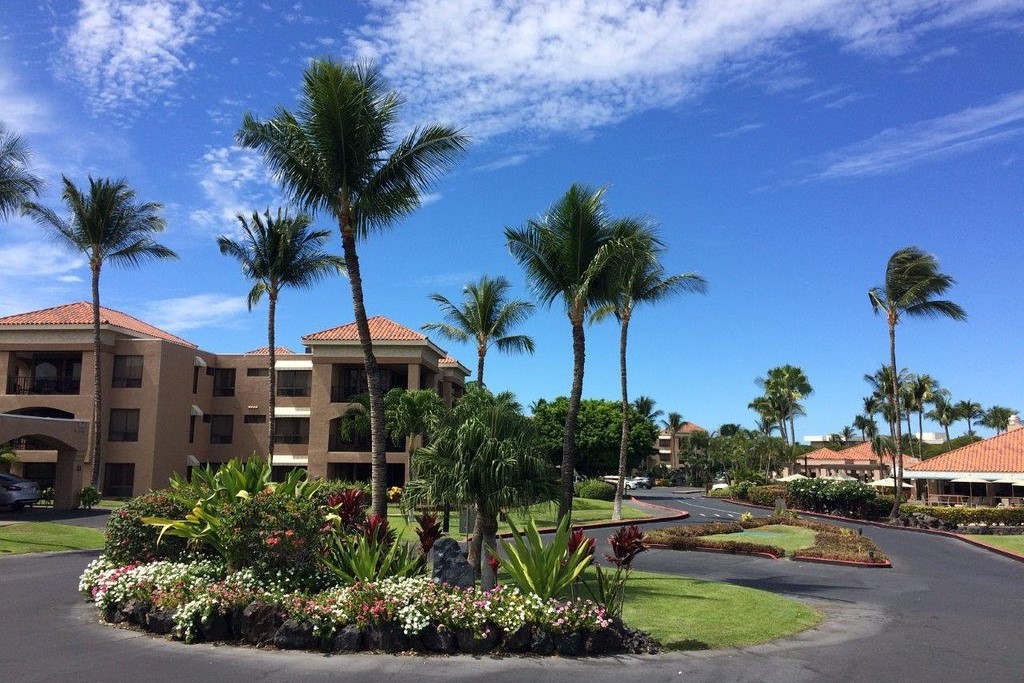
point(840, 476)
point(888, 483)
point(970, 480)
point(791, 477)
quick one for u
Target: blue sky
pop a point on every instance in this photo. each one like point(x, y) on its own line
point(787, 148)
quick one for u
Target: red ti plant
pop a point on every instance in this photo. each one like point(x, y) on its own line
point(348, 506)
point(378, 531)
point(493, 561)
point(626, 543)
point(610, 586)
point(429, 531)
point(577, 538)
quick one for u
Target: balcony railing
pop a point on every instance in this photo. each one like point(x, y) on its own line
point(293, 391)
point(343, 394)
point(42, 385)
point(291, 438)
point(336, 444)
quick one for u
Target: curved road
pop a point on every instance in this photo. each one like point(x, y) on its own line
point(946, 612)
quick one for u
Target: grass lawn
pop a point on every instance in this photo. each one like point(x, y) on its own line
point(689, 614)
point(34, 537)
point(1015, 544)
point(789, 538)
point(544, 514)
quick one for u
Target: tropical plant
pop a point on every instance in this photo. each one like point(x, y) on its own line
point(996, 418)
point(784, 387)
point(548, 570)
point(610, 586)
point(485, 317)
point(372, 555)
point(17, 182)
point(409, 414)
point(566, 255)
point(920, 391)
point(107, 225)
point(866, 425)
point(7, 457)
point(912, 283)
point(338, 154)
point(971, 412)
point(943, 411)
point(483, 454)
point(644, 405)
point(89, 496)
point(637, 278)
point(278, 252)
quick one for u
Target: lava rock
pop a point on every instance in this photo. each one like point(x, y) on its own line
point(295, 635)
point(260, 622)
point(542, 643)
point(216, 627)
point(137, 611)
point(349, 639)
point(436, 638)
point(388, 637)
point(160, 621)
point(473, 643)
point(605, 641)
point(518, 640)
point(450, 564)
point(569, 644)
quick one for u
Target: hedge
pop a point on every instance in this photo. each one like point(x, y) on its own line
point(964, 515)
point(595, 489)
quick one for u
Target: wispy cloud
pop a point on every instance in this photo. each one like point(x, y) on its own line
point(504, 162)
point(955, 133)
point(846, 100)
point(553, 66)
point(127, 52)
point(37, 275)
point(740, 130)
point(233, 180)
point(929, 57)
point(22, 112)
point(185, 313)
point(445, 279)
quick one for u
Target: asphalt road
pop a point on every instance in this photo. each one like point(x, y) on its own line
point(946, 612)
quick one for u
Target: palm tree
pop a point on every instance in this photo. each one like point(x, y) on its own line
point(970, 411)
point(106, 224)
point(409, 414)
point(866, 425)
point(943, 411)
point(486, 317)
point(275, 253)
point(996, 418)
point(921, 390)
point(771, 414)
point(847, 434)
point(912, 283)
point(638, 278)
point(484, 453)
point(566, 256)
point(785, 386)
point(337, 154)
point(17, 182)
point(644, 405)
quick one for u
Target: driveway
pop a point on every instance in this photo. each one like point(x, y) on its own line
point(95, 518)
point(946, 612)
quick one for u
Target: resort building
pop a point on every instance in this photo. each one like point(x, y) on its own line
point(859, 462)
point(989, 472)
point(668, 446)
point(818, 440)
point(168, 405)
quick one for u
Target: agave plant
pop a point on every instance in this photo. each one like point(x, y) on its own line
point(372, 555)
point(545, 570)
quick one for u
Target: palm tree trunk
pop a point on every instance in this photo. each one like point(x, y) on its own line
point(624, 441)
point(894, 396)
point(920, 432)
point(378, 456)
point(488, 525)
point(949, 446)
point(480, 353)
point(97, 385)
point(271, 419)
point(569, 442)
point(475, 552)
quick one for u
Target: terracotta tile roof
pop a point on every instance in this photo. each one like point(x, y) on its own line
point(265, 351)
point(860, 453)
point(449, 360)
point(1003, 453)
point(381, 329)
point(80, 313)
point(687, 428)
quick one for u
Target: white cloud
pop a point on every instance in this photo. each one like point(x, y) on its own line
point(846, 100)
point(740, 130)
point(233, 180)
point(193, 312)
point(560, 65)
point(36, 274)
point(40, 260)
point(23, 114)
point(126, 52)
point(898, 148)
point(504, 162)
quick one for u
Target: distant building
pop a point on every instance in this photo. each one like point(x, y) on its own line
point(169, 405)
point(668, 448)
point(857, 461)
point(819, 440)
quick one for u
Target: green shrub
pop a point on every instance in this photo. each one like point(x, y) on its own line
point(269, 532)
point(737, 547)
point(46, 496)
point(765, 495)
point(595, 489)
point(89, 497)
point(722, 493)
point(130, 540)
point(964, 515)
point(848, 498)
point(741, 489)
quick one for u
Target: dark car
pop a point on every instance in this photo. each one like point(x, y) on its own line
point(17, 492)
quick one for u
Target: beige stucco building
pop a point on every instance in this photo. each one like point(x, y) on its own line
point(169, 405)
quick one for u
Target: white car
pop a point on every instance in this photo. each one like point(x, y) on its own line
point(17, 492)
point(719, 486)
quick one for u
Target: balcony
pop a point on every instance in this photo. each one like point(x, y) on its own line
point(293, 391)
point(291, 438)
point(336, 444)
point(28, 385)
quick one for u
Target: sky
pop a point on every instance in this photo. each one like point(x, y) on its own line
point(786, 148)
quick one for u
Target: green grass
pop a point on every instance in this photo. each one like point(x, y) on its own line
point(35, 537)
point(789, 538)
point(1015, 544)
point(690, 614)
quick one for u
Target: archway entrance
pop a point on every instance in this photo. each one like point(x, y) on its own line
point(68, 437)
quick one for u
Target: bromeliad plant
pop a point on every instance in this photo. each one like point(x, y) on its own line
point(610, 585)
point(546, 571)
point(372, 554)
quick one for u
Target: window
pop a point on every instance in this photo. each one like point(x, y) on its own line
point(257, 372)
point(221, 428)
point(191, 428)
point(127, 372)
point(294, 382)
point(224, 382)
point(255, 419)
point(124, 424)
point(291, 430)
point(195, 379)
point(118, 480)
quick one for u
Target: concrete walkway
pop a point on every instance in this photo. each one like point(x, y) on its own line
point(946, 612)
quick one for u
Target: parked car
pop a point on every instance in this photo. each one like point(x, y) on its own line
point(17, 492)
point(638, 483)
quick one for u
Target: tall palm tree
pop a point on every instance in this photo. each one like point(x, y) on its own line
point(847, 434)
point(921, 389)
point(944, 412)
point(17, 182)
point(866, 425)
point(276, 253)
point(970, 411)
point(882, 385)
point(409, 414)
point(673, 424)
point(996, 418)
point(912, 283)
point(108, 225)
point(337, 154)
point(486, 316)
point(771, 413)
point(637, 278)
point(785, 386)
point(644, 405)
point(566, 255)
